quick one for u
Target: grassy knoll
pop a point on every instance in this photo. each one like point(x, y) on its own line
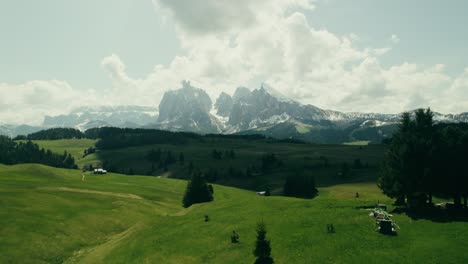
point(50, 215)
point(73, 146)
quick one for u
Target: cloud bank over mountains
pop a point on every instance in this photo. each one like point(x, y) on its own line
point(227, 44)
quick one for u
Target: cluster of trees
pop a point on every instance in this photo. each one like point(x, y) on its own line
point(218, 155)
point(197, 191)
point(53, 134)
point(346, 169)
point(253, 137)
point(163, 158)
point(325, 161)
point(112, 138)
point(300, 185)
point(89, 151)
point(15, 153)
point(426, 159)
point(270, 161)
point(213, 175)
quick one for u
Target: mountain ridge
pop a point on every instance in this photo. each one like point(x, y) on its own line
point(260, 111)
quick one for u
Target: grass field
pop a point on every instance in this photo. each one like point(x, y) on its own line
point(50, 215)
point(73, 146)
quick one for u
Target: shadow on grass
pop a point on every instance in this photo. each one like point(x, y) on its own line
point(435, 214)
point(391, 234)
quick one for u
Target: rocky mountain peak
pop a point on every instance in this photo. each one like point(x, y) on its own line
point(223, 105)
point(182, 102)
point(241, 92)
point(187, 109)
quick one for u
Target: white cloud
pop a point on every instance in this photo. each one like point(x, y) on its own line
point(231, 43)
point(27, 103)
point(244, 42)
point(395, 39)
point(224, 16)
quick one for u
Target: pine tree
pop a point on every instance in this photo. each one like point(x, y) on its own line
point(299, 185)
point(197, 191)
point(190, 167)
point(262, 250)
point(232, 154)
point(181, 158)
point(408, 172)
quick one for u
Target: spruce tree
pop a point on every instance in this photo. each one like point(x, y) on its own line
point(299, 185)
point(197, 191)
point(181, 158)
point(262, 250)
point(409, 172)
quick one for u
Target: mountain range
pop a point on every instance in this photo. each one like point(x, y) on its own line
point(261, 111)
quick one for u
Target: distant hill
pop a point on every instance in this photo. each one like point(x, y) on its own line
point(118, 116)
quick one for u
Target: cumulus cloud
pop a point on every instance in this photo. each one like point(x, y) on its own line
point(27, 103)
point(231, 43)
point(227, 44)
point(224, 16)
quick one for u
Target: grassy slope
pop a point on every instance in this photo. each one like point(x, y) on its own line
point(97, 220)
point(75, 147)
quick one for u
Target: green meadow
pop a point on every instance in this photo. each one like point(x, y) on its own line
point(51, 215)
point(75, 147)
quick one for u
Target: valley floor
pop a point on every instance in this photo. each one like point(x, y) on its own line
point(50, 215)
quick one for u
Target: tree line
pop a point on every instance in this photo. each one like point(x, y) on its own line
point(114, 137)
point(426, 159)
point(53, 134)
point(27, 152)
point(300, 185)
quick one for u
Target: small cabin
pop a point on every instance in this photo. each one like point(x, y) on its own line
point(100, 171)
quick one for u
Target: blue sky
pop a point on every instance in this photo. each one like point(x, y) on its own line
point(57, 39)
point(430, 32)
point(361, 55)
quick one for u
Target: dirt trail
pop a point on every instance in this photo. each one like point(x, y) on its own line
point(66, 189)
point(98, 253)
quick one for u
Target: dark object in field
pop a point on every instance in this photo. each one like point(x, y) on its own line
point(330, 228)
point(383, 220)
point(386, 227)
point(207, 218)
point(357, 195)
point(234, 237)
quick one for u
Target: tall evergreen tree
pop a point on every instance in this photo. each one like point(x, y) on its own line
point(262, 250)
point(408, 170)
point(197, 191)
point(300, 185)
point(451, 159)
point(181, 158)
